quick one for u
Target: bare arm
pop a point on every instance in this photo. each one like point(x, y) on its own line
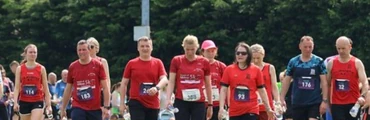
point(106, 70)
point(106, 93)
point(171, 85)
point(124, 83)
point(66, 95)
point(263, 94)
point(325, 87)
point(275, 90)
point(17, 84)
point(285, 84)
point(362, 76)
point(208, 87)
point(162, 81)
point(328, 76)
point(223, 93)
point(46, 87)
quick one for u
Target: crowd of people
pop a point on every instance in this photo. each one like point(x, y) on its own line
point(200, 87)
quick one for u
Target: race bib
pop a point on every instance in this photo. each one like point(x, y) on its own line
point(241, 94)
point(306, 83)
point(85, 94)
point(144, 87)
point(342, 85)
point(29, 90)
point(215, 94)
point(191, 94)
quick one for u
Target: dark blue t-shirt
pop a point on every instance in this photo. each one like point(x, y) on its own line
point(306, 79)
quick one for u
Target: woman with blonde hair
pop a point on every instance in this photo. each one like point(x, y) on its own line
point(189, 73)
point(269, 76)
point(31, 87)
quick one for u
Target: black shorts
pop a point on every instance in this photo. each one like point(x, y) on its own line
point(140, 112)
point(68, 111)
point(288, 112)
point(27, 107)
point(190, 110)
point(304, 112)
point(341, 112)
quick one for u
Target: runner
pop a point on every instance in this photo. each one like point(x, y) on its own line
point(269, 76)
point(147, 76)
point(116, 100)
point(52, 78)
point(86, 76)
point(31, 87)
point(309, 81)
point(209, 51)
point(288, 114)
point(59, 90)
point(189, 73)
point(244, 80)
point(345, 72)
point(3, 98)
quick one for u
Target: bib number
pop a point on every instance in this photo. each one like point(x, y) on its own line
point(215, 94)
point(191, 94)
point(85, 94)
point(29, 90)
point(144, 87)
point(342, 85)
point(241, 94)
point(306, 83)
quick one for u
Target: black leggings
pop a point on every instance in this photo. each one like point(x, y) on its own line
point(3, 112)
point(189, 110)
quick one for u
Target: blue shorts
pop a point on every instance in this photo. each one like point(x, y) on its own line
point(80, 114)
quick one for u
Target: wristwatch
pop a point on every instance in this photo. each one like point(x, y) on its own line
point(157, 88)
point(107, 107)
point(325, 100)
point(210, 105)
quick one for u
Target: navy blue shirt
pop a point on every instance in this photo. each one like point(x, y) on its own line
point(306, 79)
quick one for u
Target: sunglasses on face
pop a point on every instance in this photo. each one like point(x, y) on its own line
point(240, 53)
point(92, 46)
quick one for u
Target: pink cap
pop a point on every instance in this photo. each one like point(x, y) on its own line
point(208, 44)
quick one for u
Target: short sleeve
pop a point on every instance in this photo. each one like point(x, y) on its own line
point(174, 65)
point(102, 75)
point(127, 71)
point(225, 77)
point(70, 74)
point(259, 78)
point(289, 68)
point(161, 70)
point(322, 68)
point(207, 68)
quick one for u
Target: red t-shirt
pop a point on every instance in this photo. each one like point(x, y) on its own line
point(243, 88)
point(344, 82)
point(85, 80)
point(217, 69)
point(31, 84)
point(268, 86)
point(143, 76)
point(190, 76)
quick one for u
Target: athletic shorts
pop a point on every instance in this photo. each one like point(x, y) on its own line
point(304, 112)
point(341, 112)
point(247, 116)
point(140, 112)
point(190, 110)
point(27, 107)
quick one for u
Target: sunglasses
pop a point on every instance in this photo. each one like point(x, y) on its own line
point(241, 53)
point(91, 46)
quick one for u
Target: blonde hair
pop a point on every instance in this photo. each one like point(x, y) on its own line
point(257, 48)
point(92, 41)
point(190, 40)
point(306, 38)
point(25, 52)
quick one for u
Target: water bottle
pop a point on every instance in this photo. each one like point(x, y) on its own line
point(173, 109)
point(11, 102)
point(354, 110)
point(225, 115)
point(126, 115)
point(49, 115)
point(278, 111)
